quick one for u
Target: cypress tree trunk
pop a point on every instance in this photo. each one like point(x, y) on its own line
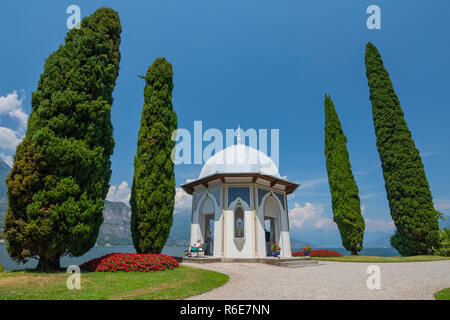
point(407, 188)
point(344, 191)
point(153, 189)
point(61, 170)
point(46, 265)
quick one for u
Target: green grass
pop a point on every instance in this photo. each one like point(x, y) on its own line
point(381, 259)
point(444, 294)
point(179, 283)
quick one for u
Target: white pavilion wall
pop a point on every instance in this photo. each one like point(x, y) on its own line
point(281, 219)
point(254, 245)
point(233, 249)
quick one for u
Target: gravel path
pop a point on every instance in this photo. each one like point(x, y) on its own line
point(328, 280)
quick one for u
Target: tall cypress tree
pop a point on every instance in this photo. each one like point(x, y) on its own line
point(344, 191)
point(153, 189)
point(61, 170)
point(407, 188)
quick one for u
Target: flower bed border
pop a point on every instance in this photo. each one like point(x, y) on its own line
point(130, 262)
point(318, 253)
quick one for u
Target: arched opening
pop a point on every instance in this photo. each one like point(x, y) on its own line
point(271, 224)
point(207, 225)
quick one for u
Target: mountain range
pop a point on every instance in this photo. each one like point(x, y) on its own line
point(115, 229)
point(4, 171)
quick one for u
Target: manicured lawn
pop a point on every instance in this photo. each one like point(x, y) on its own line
point(178, 283)
point(444, 294)
point(381, 259)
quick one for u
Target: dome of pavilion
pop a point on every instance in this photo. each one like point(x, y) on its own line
point(239, 158)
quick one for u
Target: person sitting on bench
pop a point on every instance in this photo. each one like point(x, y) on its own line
point(195, 247)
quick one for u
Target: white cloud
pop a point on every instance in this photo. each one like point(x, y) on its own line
point(325, 223)
point(312, 183)
point(372, 225)
point(378, 225)
point(368, 196)
point(442, 204)
point(7, 158)
point(11, 107)
point(431, 154)
point(310, 215)
point(183, 200)
point(8, 139)
point(367, 171)
point(122, 193)
point(119, 193)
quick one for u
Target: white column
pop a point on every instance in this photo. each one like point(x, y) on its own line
point(218, 228)
point(284, 236)
point(261, 232)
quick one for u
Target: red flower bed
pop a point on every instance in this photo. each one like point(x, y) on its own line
point(130, 262)
point(318, 253)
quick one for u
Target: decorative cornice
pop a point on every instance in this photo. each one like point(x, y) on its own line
point(289, 186)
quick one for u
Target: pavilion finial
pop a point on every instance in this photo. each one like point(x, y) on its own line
point(239, 134)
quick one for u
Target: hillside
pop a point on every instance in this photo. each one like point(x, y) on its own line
point(297, 245)
point(115, 229)
point(4, 171)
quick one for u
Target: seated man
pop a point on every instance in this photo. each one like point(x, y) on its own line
point(195, 247)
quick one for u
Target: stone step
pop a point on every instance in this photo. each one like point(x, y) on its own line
point(290, 259)
point(296, 264)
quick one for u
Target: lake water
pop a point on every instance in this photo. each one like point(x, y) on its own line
point(96, 252)
point(380, 252)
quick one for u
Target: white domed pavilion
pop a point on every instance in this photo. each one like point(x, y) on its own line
point(239, 205)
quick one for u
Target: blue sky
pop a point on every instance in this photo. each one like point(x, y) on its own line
point(260, 64)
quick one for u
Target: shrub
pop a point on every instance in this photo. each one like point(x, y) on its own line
point(318, 253)
point(130, 262)
point(444, 243)
point(2, 268)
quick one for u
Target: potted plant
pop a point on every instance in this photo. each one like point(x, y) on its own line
point(306, 250)
point(275, 249)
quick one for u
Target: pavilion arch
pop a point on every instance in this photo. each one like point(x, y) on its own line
point(271, 212)
point(272, 222)
point(197, 212)
point(206, 216)
point(275, 198)
point(240, 208)
point(239, 202)
point(207, 206)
